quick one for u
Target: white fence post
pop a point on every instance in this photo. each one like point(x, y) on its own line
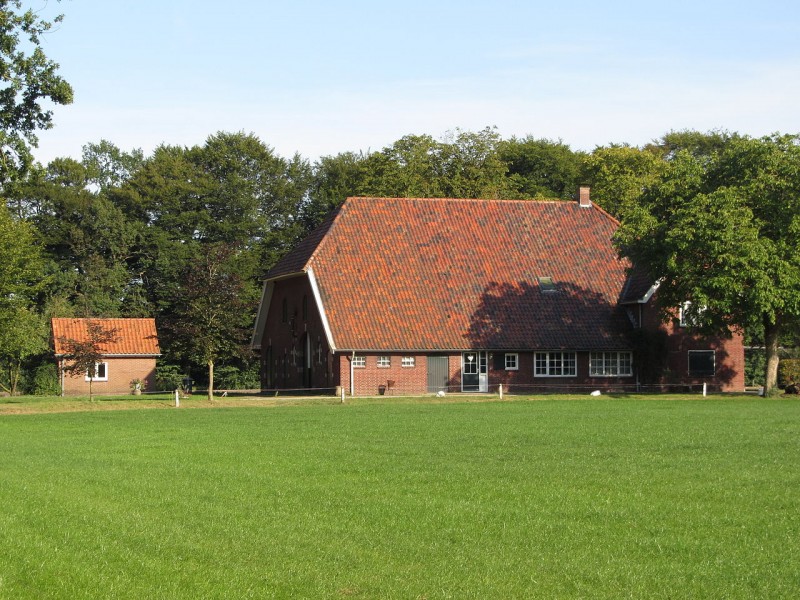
point(500, 388)
point(177, 399)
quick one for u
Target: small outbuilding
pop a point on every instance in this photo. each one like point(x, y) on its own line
point(127, 361)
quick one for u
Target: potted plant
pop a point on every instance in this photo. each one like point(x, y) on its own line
point(136, 387)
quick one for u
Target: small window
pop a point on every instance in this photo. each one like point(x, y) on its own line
point(610, 364)
point(384, 362)
point(702, 363)
point(555, 364)
point(546, 284)
point(100, 372)
point(688, 317)
point(512, 362)
point(408, 361)
point(360, 361)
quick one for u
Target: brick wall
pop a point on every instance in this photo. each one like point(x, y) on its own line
point(121, 371)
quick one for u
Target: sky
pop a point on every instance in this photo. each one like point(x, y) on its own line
point(320, 77)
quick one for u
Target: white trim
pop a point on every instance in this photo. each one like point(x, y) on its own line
point(312, 280)
point(646, 298)
point(261, 317)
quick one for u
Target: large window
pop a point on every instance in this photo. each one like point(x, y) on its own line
point(610, 364)
point(555, 364)
point(100, 372)
point(702, 363)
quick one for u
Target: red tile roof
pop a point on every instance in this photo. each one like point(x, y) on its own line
point(441, 274)
point(134, 336)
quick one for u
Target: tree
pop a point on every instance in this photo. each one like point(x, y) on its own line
point(542, 168)
point(722, 231)
point(20, 281)
point(84, 355)
point(619, 175)
point(212, 316)
point(28, 78)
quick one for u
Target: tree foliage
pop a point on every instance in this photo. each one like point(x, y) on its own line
point(28, 78)
point(723, 232)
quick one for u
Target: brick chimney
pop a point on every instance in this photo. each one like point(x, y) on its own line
point(583, 196)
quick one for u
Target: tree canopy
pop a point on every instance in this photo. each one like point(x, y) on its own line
point(721, 229)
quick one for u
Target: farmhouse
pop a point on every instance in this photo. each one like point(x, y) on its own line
point(410, 295)
point(132, 357)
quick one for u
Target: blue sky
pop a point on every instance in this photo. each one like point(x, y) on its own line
point(322, 77)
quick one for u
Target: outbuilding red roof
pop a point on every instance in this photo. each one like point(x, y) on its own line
point(134, 336)
point(443, 274)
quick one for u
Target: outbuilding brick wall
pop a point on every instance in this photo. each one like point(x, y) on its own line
point(121, 371)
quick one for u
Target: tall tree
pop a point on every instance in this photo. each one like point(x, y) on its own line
point(212, 316)
point(28, 78)
point(21, 280)
point(542, 168)
point(722, 231)
point(619, 175)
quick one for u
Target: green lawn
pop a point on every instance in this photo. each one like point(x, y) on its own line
point(601, 498)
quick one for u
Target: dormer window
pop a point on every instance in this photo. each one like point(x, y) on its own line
point(546, 284)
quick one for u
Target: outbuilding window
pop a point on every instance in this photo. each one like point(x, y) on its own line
point(360, 361)
point(408, 361)
point(384, 361)
point(100, 372)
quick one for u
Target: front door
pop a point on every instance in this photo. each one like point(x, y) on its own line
point(474, 374)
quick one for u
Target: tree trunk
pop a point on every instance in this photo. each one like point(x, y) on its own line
point(771, 335)
point(210, 380)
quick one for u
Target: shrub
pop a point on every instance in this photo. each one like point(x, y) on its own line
point(168, 377)
point(788, 371)
point(45, 380)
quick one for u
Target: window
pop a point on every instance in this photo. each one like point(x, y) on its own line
point(360, 361)
point(687, 317)
point(512, 362)
point(384, 362)
point(555, 364)
point(610, 364)
point(546, 284)
point(408, 361)
point(100, 372)
point(702, 362)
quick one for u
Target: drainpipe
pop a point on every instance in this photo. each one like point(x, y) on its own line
point(352, 386)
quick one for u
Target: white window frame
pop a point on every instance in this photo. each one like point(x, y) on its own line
point(359, 362)
point(97, 367)
point(566, 362)
point(511, 361)
point(408, 362)
point(611, 364)
point(384, 362)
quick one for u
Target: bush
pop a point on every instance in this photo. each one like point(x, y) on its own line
point(230, 377)
point(788, 371)
point(168, 378)
point(45, 381)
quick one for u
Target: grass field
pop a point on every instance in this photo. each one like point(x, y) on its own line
point(601, 498)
